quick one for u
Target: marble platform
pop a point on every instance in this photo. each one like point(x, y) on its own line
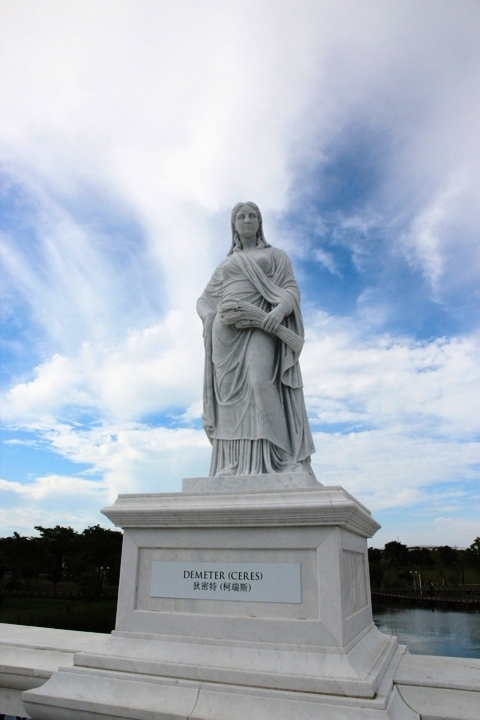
point(237, 601)
point(434, 687)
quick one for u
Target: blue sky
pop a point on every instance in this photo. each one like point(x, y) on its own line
point(128, 131)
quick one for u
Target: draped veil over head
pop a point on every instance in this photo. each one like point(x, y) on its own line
point(236, 242)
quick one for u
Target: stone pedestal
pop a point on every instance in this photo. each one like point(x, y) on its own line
point(237, 598)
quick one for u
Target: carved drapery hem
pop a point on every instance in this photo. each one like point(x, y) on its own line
point(253, 457)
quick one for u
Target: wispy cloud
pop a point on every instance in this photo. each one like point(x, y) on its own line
point(326, 259)
point(384, 381)
point(128, 132)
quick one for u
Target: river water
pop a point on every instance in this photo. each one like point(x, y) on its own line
point(432, 631)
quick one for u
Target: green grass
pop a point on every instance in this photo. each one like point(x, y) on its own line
point(65, 614)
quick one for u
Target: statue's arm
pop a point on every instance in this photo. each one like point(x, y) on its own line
point(205, 307)
point(290, 296)
point(207, 311)
point(208, 301)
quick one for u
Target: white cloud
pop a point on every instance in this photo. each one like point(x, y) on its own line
point(179, 112)
point(455, 528)
point(169, 113)
point(326, 259)
point(408, 409)
point(52, 485)
point(51, 500)
point(126, 458)
point(399, 418)
point(441, 232)
point(147, 371)
point(129, 457)
point(431, 530)
point(388, 469)
point(390, 381)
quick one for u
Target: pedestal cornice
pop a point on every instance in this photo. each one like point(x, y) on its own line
point(304, 507)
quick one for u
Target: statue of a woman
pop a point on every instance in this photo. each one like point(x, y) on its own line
point(254, 411)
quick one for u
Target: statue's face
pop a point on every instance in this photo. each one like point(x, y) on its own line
point(247, 222)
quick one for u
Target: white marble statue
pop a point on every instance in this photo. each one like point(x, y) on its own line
point(254, 410)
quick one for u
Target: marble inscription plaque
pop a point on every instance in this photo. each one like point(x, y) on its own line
point(244, 582)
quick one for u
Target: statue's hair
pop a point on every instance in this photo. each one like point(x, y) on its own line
point(236, 242)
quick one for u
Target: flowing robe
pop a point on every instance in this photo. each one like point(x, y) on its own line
point(254, 409)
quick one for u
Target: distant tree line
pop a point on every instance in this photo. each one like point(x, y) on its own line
point(86, 562)
point(421, 567)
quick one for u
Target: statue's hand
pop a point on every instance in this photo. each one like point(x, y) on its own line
point(273, 320)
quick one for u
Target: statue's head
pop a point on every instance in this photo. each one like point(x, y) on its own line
point(236, 242)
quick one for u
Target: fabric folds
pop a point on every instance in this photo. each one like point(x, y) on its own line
point(254, 409)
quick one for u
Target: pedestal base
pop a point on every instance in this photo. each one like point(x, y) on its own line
point(77, 694)
point(237, 603)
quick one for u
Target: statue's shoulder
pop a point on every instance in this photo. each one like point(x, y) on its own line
point(225, 262)
point(280, 256)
